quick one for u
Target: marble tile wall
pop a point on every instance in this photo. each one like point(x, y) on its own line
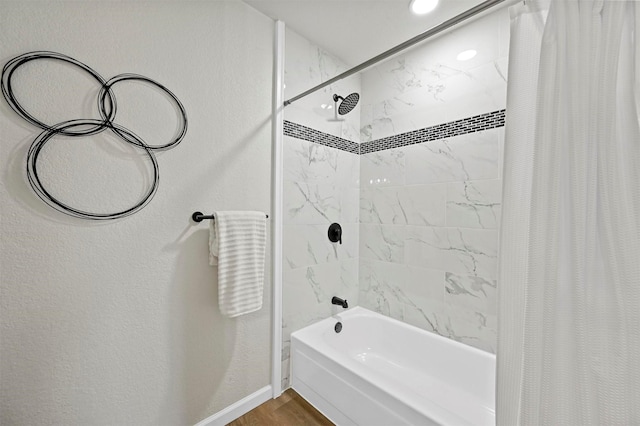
point(307, 65)
point(427, 85)
point(420, 221)
point(321, 186)
point(430, 212)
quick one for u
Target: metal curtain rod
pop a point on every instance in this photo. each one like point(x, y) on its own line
point(402, 46)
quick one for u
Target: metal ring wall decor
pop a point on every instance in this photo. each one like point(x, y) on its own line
point(107, 106)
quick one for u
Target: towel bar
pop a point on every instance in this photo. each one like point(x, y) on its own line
point(199, 216)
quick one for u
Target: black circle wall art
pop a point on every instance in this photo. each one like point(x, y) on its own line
point(82, 127)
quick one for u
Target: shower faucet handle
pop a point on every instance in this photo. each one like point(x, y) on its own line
point(335, 233)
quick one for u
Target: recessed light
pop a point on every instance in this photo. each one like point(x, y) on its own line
point(466, 55)
point(420, 7)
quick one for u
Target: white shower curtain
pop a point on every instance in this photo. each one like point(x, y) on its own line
point(569, 280)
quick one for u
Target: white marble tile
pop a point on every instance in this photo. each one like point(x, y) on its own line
point(368, 208)
point(472, 328)
point(464, 251)
point(350, 247)
point(351, 125)
point(474, 204)
point(471, 292)
point(490, 81)
point(307, 294)
point(382, 168)
point(382, 124)
point(348, 173)
point(301, 68)
point(351, 128)
point(350, 164)
point(349, 287)
point(314, 286)
point(426, 314)
point(382, 242)
point(465, 157)
point(437, 59)
point(424, 204)
point(383, 205)
point(294, 318)
point(308, 289)
point(401, 74)
point(314, 202)
point(307, 161)
point(307, 245)
point(286, 374)
point(381, 287)
point(366, 118)
point(423, 283)
point(323, 282)
point(350, 208)
point(383, 115)
point(468, 94)
point(500, 152)
point(502, 67)
point(413, 205)
point(307, 65)
point(481, 35)
point(413, 295)
point(468, 327)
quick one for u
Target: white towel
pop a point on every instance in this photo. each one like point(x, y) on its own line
point(237, 242)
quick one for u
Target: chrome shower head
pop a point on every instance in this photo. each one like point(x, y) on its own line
point(347, 104)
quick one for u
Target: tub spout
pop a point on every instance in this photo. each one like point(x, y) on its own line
point(337, 301)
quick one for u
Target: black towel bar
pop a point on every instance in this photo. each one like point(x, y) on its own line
point(199, 216)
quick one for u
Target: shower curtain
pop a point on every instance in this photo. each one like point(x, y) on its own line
point(569, 274)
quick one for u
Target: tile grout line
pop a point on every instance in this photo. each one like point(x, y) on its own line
point(476, 123)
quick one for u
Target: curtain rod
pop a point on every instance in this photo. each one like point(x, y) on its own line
point(402, 46)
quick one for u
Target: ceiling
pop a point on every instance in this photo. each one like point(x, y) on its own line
point(357, 30)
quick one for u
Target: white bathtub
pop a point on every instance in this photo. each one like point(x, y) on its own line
point(380, 371)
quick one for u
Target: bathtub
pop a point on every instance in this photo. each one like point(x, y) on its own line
point(380, 371)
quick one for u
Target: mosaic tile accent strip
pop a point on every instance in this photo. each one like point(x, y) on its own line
point(473, 124)
point(477, 123)
point(299, 131)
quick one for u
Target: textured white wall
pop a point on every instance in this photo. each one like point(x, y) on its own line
point(117, 323)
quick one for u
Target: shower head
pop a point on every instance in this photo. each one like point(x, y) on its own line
point(347, 103)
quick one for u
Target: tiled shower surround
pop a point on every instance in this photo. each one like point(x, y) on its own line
point(418, 197)
point(321, 186)
point(429, 214)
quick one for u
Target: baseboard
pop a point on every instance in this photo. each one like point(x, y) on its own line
point(238, 409)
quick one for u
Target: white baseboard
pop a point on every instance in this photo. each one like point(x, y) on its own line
point(238, 409)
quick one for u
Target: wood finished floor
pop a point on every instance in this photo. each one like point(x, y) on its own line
point(289, 409)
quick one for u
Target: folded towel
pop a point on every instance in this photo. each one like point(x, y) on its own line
point(237, 242)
